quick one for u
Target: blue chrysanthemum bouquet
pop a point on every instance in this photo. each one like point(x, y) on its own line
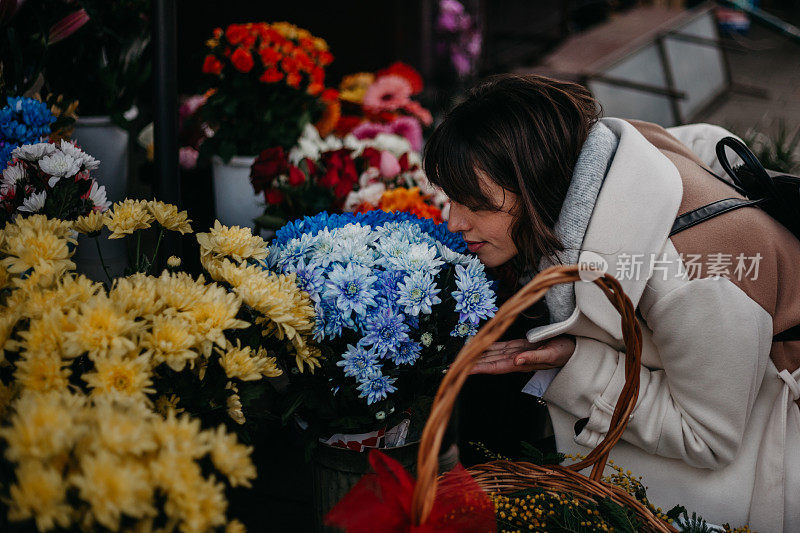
point(396, 298)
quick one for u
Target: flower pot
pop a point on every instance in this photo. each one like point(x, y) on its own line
point(235, 202)
point(102, 139)
point(336, 470)
point(87, 259)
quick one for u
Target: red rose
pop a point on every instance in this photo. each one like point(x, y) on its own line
point(212, 65)
point(296, 176)
point(273, 196)
point(268, 165)
point(242, 60)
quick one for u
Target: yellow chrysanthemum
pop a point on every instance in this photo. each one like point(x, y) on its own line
point(212, 315)
point(230, 457)
point(354, 87)
point(169, 341)
point(243, 364)
point(43, 335)
point(137, 295)
point(181, 435)
point(164, 404)
point(224, 270)
point(124, 376)
point(126, 217)
point(306, 355)
point(234, 526)
point(39, 224)
point(238, 243)
point(44, 252)
point(202, 508)
point(102, 328)
point(42, 372)
point(122, 427)
point(179, 290)
point(173, 261)
point(286, 310)
point(91, 223)
point(42, 426)
point(5, 276)
point(175, 475)
point(8, 321)
point(39, 493)
point(114, 487)
point(168, 216)
point(234, 404)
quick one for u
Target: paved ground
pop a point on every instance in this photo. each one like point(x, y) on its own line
point(769, 62)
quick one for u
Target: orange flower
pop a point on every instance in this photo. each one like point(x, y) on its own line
point(242, 60)
point(212, 65)
point(330, 116)
point(271, 75)
point(409, 201)
point(293, 79)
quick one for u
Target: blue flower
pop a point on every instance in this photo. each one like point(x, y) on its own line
point(375, 387)
point(385, 329)
point(330, 320)
point(22, 121)
point(352, 288)
point(358, 361)
point(295, 250)
point(309, 277)
point(5, 154)
point(407, 353)
point(417, 293)
point(464, 329)
point(419, 256)
point(474, 297)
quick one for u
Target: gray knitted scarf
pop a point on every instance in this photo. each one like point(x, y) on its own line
point(587, 178)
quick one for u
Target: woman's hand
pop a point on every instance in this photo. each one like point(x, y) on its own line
point(522, 356)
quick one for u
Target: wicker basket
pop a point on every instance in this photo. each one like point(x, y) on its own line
point(504, 476)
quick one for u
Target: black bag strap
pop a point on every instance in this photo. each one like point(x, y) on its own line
point(708, 211)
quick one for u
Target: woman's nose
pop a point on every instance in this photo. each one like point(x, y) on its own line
point(458, 220)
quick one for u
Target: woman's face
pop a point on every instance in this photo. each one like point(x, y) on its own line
point(487, 232)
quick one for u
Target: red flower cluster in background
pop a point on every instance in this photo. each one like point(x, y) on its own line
point(274, 52)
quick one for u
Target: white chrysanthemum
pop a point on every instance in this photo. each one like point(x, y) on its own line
point(396, 144)
point(454, 258)
point(419, 257)
point(356, 232)
point(34, 203)
point(11, 175)
point(59, 165)
point(97, 194)
point(370, 194)
point(89, 162)
point(33, 152)
point(311, 145)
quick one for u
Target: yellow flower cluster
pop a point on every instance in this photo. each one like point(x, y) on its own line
point(37, 247)
point(121, 459)
point(128, 216)
point(283, 309)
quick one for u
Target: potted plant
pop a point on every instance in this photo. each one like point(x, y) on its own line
point(104, 65)
point(267, 83)
point(395, 298)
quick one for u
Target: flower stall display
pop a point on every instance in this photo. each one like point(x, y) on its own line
point(267, 82)
point(343, 175)
point(131, 406)
point(50, 179)
point(22, 121)
point(395, 297)
point(381, 102)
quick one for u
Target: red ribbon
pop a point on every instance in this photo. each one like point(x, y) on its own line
point(381, 503)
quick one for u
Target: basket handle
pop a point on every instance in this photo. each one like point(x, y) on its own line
point(427, 459)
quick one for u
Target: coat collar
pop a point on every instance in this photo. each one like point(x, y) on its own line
point(634, 212)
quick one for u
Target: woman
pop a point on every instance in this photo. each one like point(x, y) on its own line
point(535, 178)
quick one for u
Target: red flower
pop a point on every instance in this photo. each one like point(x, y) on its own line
point(212, 65)
point(346, 124)
point(311, 168)
point(404, 165)
point(330, 95)
point(273, 196)
point(236, 33)
point(373, 156)
point(271, 75)
point(406, 71)
point(293, 79)
point(296, 176)
point(242, 60)
point(269, 56)
point(269, 164)
point(330, 179)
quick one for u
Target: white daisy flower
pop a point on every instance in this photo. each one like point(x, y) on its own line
point(97, 194)
point(33, 152)
point(33, 203)
point(11, 175)
point(89, 162)
point(59, 165)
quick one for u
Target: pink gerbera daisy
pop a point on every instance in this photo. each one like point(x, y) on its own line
point(387, 93)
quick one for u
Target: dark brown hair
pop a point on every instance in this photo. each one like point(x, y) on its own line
point(525, 133)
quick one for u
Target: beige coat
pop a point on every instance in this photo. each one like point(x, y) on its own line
point(716, 427)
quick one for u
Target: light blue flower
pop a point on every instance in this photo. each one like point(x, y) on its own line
point(464, 329)
point(407, 353)
point(358, 361)
point(296, 250)
point(353, 251)
point(474, 297)
point(385, 329)
point(375, 387)
point(309, 277)
point(324, 245)
point(419, 256)
point(329, 321)
point(352, 288)
point(417, 293)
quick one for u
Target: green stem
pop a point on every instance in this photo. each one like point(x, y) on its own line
point(102, 261)
point(155, 254)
